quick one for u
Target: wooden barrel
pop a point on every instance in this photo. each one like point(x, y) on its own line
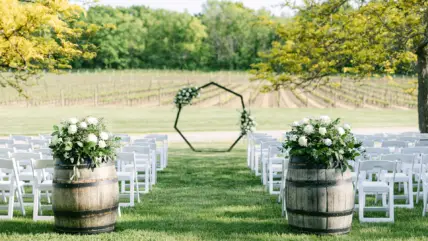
point(87, 205)
point(319, 201)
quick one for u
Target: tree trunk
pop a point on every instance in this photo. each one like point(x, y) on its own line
point(422, 69)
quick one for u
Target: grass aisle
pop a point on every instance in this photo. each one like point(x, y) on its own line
point(212, 196)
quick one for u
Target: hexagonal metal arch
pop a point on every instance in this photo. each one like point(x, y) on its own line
point(185, 139)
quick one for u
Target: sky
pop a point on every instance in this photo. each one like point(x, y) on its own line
point(195, 6)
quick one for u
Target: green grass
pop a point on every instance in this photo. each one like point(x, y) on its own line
point(213, 196)
point(145, 120)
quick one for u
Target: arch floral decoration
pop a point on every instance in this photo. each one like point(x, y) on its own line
point(185, 96)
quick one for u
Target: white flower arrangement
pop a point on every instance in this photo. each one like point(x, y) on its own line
point(185, 95)
point(247, 122)
point(323, 142)
point(83, 142)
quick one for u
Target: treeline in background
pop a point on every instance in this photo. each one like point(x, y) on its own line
point(225, 35)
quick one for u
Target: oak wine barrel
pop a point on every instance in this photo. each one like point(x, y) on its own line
point(87, 205)
point(319, 201)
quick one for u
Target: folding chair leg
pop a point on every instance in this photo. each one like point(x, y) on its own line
point(132, 192)
point(418, 190)
point(11, 203)
point(425, 194)
point(21, 201)
point(138, 189)
point(36, 205)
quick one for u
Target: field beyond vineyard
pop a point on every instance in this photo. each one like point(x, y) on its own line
point(151, 88)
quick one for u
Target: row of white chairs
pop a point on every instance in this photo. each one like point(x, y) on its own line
point(401, 164)
point(137, 163)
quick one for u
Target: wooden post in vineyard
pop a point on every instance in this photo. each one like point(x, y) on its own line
point(62, 98)
point(159, 96)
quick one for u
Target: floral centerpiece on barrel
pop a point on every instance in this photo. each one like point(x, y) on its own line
point(85, 180)
point(319, 175)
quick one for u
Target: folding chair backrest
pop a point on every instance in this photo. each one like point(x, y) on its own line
point(265, 145)
point(6, 142)
point(7, 163)
point(408, 138)
point(45, 136)
point(125, 156)
point(415, 134)
point(368, 143)
point(20, 138)
point(45, 151)
point(376, 166)
point(145, 140)
point(39, 143)
point(377, 151)
point(137, 149)
point(24, 158)
point(259, 141)
point(42, 164)
point(157, 137)
point(415, 150)
point(275, 149)
point(422, 143)
point(408, 158)
point(396, 144)
point(22, 147)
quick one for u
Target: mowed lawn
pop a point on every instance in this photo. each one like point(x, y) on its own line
point(135, 120)
point(213, 196)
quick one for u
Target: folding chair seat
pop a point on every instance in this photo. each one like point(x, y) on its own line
point(40, 184)
point(404, 175)
point(368, 143)
point(10, 187)
point(384, 185)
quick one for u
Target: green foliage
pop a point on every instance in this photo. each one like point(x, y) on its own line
point(39, 35)
point(225, 36)
point(83, 141)
point(322, 143)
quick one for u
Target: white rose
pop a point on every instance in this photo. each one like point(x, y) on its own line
point(293, 138)
point(328, 142)
point(325, 119)
point(341, 151)
point(304, 121)
point(83, 125)
point(92, 138)
point(309, 129)
point(323, 131)
point(340, 130)
point(347, 127)
point(104, 136)
point(73, 120)
point(303, 141)
point(296, 123)
point(102, 144)
point(72, 129)
point(92, 120)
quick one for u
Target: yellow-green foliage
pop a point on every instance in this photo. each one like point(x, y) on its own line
point(39, 35)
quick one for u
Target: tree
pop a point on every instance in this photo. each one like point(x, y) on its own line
point(37, 36)
point(356, 38)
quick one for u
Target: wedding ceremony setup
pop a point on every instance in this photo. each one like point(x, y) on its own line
point(209, 120)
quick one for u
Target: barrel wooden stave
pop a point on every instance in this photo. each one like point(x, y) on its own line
point(88, 205)
point(317, 209)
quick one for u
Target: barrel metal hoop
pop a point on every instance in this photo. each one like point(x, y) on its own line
point(318, 183)
point(321, 231)
point(87, 230)
point(80, 214)
point(81, 166)
point(320, 214)
point(86, 184)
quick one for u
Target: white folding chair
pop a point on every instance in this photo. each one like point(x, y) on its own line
point(5, 152)
point(40, 184)
point(45, 136)
point(384, 186)
point(395, 144)
point(162, 148)
point(6, 143)
point(38, 144)
point(368, 143)
point(25, 172)
point(257, 153)
point(11, 186)
point(250, 143)
point(22, 147)
point(151, 143)
point(143, 164)
point(403, 175)
point(19, 138)
point(127, 173)
point(265, 153)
